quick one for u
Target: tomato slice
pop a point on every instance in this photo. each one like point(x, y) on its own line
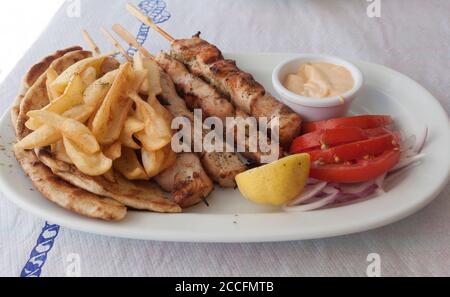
point(363, 122)
point(333, 137)
point(359, 172)
point(356, 150)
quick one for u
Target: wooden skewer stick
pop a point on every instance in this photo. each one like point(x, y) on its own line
point(90, 42)
point(148, 21)
point(115, 43)
point(129, 38)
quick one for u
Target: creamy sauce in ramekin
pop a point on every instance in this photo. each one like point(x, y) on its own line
point(320, 80)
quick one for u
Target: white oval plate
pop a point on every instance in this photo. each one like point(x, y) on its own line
point(230, 218)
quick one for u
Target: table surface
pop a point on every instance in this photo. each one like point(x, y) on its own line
point(410, 36)
point(28, 26)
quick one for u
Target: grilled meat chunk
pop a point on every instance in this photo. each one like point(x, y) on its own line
point(206, 61)
point(188, 84)
point(221, 167)
point(186, 180)
point(205, 97)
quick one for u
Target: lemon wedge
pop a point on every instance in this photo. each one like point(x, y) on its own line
point(276, 183)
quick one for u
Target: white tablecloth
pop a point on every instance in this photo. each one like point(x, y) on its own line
point(411, 36)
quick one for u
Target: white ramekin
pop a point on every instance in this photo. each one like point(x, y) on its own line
point(313, 109)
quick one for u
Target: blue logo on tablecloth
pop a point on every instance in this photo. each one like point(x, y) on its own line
point(38, 256)
point(156, 9)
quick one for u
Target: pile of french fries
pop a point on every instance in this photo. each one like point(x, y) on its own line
point(102, 124)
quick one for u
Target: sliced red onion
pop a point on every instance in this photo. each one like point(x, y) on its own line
point(355, 188)
point(331, 196)
point(345, 198)
point(407, 154)
point(379, 182)
point(312, 181)
point(368, 192)
point(394, 174)
point(407, 143)
point(380, 191)
point(309, 192)
point(414, 144)
point(421, 140)
point(391, 127)
point(407, 161)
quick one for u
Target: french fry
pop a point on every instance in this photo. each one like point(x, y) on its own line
point(152, 85)
point(95, 92)
point(93, 97)
point(120, 110)
point(59, 151)
point(90, 164)
point(131, 127)
point(52, 75)
point(147, 142)
point(160, 110)
point(157, 133)
point(153, 81)
point(152, 162)
point(113, 151)
point(114, 108)
point(60, 84)
point(119, 115)
point(42, 137)
point(89, 75)
point(138, 64)
point(72, 96)
point(139, 77)
point(70, 128)
point(129, 166)
point(81, 113)
point(47, 135)
point(138, 61)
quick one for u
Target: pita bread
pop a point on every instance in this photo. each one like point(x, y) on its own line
point(33, 74)
point(64, 184)
point(54, 188)
point(64, 194)
point(133, 194)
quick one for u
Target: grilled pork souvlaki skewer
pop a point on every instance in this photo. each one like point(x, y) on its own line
point(201, 94)
point(216, 105)
point(207, 61)
point(186, 179)
point(222, 167)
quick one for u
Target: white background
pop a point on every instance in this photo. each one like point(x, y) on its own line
point(21, 24)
